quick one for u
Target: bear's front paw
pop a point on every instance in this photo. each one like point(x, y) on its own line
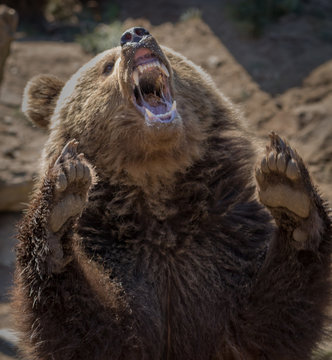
point(282, 179)
point(73, 179)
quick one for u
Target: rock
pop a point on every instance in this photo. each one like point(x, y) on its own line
point(8, 24)
point(15, 196)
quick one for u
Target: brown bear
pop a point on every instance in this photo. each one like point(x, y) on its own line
point(145, 238)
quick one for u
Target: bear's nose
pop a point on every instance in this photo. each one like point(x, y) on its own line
point(133, 35)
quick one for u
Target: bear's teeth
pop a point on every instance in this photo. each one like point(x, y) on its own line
point(144, 67)
point(152, 116)
point(164, 116)
point(149, 114)
point(136, 77)
point(164, 69)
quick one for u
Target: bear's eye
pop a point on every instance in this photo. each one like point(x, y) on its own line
point(108, 68)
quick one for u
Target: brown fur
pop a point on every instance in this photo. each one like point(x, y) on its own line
point(40, 97)
point(173, 257)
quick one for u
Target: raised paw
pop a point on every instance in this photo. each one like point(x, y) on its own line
point(282, 179)
point(72, 169)
point(73, 179)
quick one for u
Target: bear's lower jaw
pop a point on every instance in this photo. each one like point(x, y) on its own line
point(152, 118)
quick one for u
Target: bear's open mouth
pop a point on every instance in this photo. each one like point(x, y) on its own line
point(151, 88)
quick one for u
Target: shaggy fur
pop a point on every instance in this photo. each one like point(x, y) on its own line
point(172, 256)
point(40, 97)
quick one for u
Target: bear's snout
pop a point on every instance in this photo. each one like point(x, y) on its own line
point(133, 35)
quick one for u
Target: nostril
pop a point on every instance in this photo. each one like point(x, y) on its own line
point(141, 31)
point(133, 35)
point(127, 36)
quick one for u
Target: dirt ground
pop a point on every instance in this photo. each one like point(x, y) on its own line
point(281, 81)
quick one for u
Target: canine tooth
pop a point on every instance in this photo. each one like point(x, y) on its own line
point(164, 69)
point(136, 77)
point(173, 106)
point(149, 113)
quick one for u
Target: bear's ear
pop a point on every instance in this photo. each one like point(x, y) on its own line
point(40, 97)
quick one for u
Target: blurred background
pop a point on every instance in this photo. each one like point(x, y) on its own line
point(272, 58)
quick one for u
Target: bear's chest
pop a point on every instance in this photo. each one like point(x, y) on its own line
point(176, 295)
point(181, 276)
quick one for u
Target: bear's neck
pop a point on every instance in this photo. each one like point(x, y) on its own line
point(155, 169)
point(156, 160)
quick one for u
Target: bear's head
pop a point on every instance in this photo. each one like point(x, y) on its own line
point(139, 111)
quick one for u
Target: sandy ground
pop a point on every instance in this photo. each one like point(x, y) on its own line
point(298, 106)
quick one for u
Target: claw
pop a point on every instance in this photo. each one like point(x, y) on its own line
point(264, 166)
point(292, 153)
point(292, 171)
point(281, 146)
point(70, 149)
point(273, 139)
point(272, 136)
point(281, 162)
point(271, 161)
point(277, 142)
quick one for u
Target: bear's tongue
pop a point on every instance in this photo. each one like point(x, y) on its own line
point(153, 103)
